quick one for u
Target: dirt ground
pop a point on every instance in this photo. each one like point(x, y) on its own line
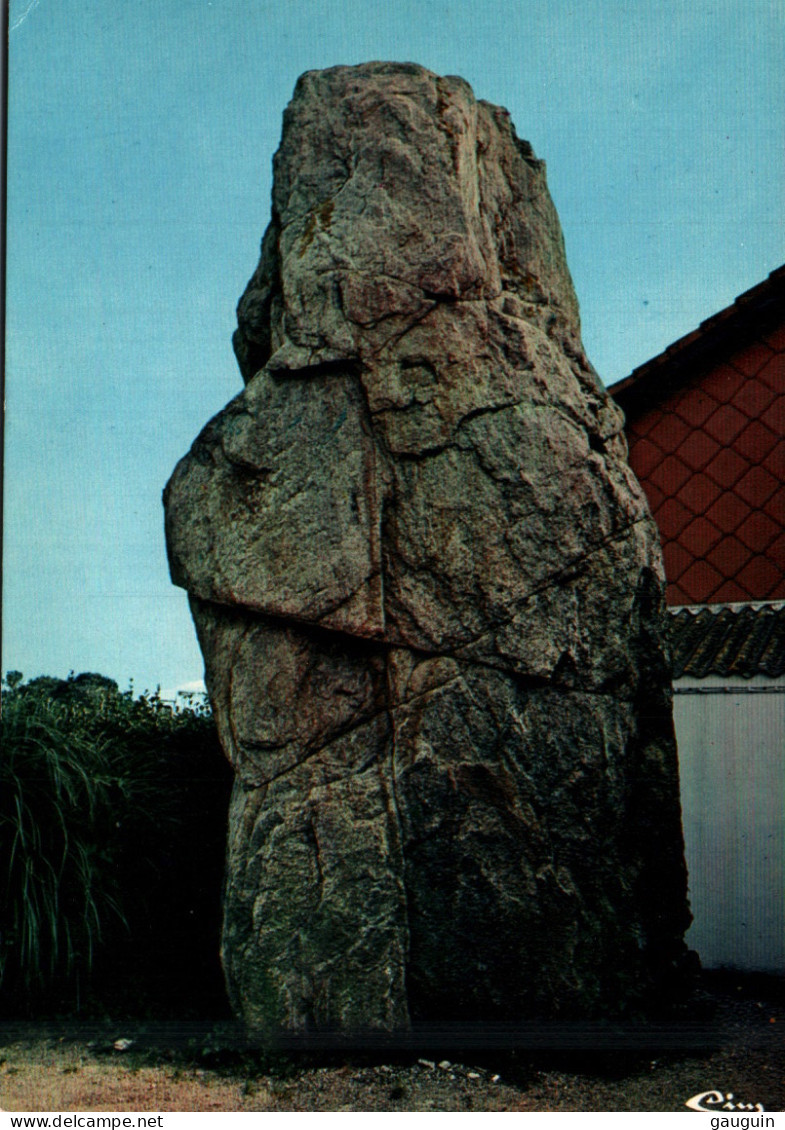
point(203, 1068)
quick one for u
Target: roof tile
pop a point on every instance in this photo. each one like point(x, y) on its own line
point(726, 642)
point(776, 339)
point(773, 374)
point(758, 531)
point(700, 582)
point(760, 574)
point(699, 492)
point(775, 461)
point(694, 407)
point(644, 457)
point(672, 517)
point(700, 536)
point(727, 467)
point(775, 507)
point(677, 560)
point(669, 432)
point(697, 450)
point(728, 512)
point(653, 494)
point(757, 486)
point(749, 361)
point(730, 592)
point(675, 594)
point(753, 398)
point(725, 424)
point(728, 556)
point(776, 552)
point(774, 416)
point(756, 441)
point(642, 425)
point(723, 382)
point(670, 474)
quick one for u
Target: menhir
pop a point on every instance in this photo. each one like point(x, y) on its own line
point(429, 596)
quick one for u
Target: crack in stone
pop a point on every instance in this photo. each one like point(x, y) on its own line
point(344, 601)
point(244, 631)
point(311, 751)
point(396, 338)
point(394, 815)
point(318, 629)
point(487, 410)
point(557, 579)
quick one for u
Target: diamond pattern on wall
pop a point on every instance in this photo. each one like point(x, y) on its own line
point(775, 461)
point(695, 410)
point(700, 537)
point(757, 486)
point(756, 441)
point(729, 512)
point(725, 424)
point(670, 474)
point(723, 382)
point(711, 459)
point(752, 360)
point(698, 450)
point(672, 518)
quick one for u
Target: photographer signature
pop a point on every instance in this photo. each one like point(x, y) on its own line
point(717, 1100)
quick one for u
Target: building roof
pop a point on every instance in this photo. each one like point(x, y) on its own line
point(736, 641)
point(729, 330)
point(706, 437)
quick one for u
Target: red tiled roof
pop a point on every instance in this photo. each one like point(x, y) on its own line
point(725, 332)
point(706, 434)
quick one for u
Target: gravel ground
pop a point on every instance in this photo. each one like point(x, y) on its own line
point(199, 1068)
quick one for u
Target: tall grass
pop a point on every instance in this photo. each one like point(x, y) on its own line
point(91, 816)
point(61, 778)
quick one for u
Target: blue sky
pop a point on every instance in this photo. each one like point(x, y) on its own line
point(140, 141)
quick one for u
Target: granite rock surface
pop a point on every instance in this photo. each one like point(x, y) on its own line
point(429, 595)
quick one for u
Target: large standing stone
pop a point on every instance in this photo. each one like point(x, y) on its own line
point(429, 595)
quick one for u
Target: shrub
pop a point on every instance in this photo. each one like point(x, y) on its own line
point(112, 823)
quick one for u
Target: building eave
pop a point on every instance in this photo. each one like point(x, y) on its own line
point(752, 314)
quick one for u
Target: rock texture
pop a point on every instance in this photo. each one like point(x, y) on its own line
point(429, 595)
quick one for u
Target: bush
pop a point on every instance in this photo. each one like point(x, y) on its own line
point(112, 823)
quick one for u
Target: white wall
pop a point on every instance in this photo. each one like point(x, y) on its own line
point(731, 737)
